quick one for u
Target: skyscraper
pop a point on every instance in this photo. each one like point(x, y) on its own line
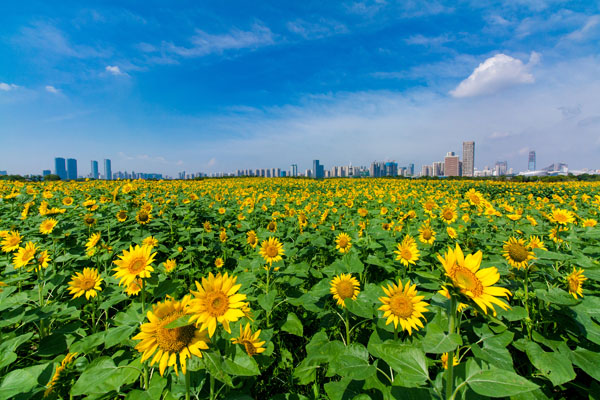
point(94, 169)
point(531, 163)
point(60, 168)
point(318, 170)
point(294, 170)
point(107, 170)
point(45, 172)
point(451, 164)
point(71, 169)
point(468, 159)
point(501, 168)
point(411, 169)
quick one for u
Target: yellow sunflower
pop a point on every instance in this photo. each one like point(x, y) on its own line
point(134, 288)
point(272, 226)
point(473, 282)
point(404, 305)
point(57, 383)
point(42, 259)
point(516, 253)
point(474, 197)
point(11, 241)
point(342, 243)
point(47, 226)
point(134, 263)
point(249, 340)
point(89, 220)
point(219, 262)
point(122, 216)
point(444, 360)
point(251, 239)
point(562, 217)
point(426, 234)
point(150, 241)
point(575, 281)
point(407, 252)
point(170, 265)
point(449, 214)
point(271, 250)
point(207, 227)
point(344, 286)
point(223, 236)
point(451, 232)
point(91, 243)
point(216, 301)
point(363, 212)
point(67, 201)
point(87, 283)
point(170, 346)
point(536, 243)
point(143, 217)
point(589, 223)
point(24, 255)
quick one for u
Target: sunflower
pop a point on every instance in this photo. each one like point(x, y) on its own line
point(426, 234)
point(474, 197)
point(170, 265)
point(223, 236)
point(562, 217)
point(150, 241)
point(133, 264)
point(451, 232)
point(170, 345)
point(216, 301)
point(407, 252)
point(91, 243)
point(344, 286)
point(342, 242)
point(449, 214)
point(516, 253)
point(11, 241)
point(363, 212)
point(134, 288)
point(271, 250)
point(89, 220)
point(250, 341)
point(67, 201)
point(87, 283)
point(24, 255)
point(589, 223)
point(272, 226)
point(444, 360)
point(473, 282)
point(404, 305)
point(58, 384)
point(219, 262)
point(207, 227)
point(536, 243)
point(575, 281)
point(121, 215)
point(444, 292)
point(143, 217)
point(42, 260)
point(251, 239)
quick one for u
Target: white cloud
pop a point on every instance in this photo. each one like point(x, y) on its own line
point(316, 30)
point(7, 86)
point(204, 43)
point(428, 40)
point(52, 89)
point(115, 70)
point(496, 73)
point(586, 30)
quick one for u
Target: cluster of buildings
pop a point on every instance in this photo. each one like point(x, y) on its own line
point(67, 169)
point(452, 165)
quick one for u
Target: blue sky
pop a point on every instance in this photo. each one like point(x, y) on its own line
point(220, 85)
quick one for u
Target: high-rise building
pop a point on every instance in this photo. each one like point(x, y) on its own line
point(71, 169)
point(531, 163)
point(60, 168)
point(437, 168)
point(411, 169)
point(468, 159)
point(501, 168)
point(94, 169)
point(451, 164)
point(45, 172)
point(391, 168)
point(294, 171)
point(318, 170)
point(107, 170)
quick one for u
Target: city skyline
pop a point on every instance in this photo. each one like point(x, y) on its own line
point(225, 86)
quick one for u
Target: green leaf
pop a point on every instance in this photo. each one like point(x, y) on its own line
point(241, 365)
point(267, 301)
point(88, 343)
point(352, 363)
point(214, 366)
point(13, 343)
point(556, 296)
point(52, 345)
point(554, 365)
point(306, 371)
point(184, 320)
point(499, 383)
point(436, 341)
point(587, 360)
point(407, 360)
point(17, 382)
point(103, 376)
point(361, 307)
point(293, 325)
point(118, 335)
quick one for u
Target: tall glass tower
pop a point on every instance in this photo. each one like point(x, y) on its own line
point(71, 169)
point(60, 168)
point(94, 169)
point(468, 159)
point(531, 163)
point(107, 170)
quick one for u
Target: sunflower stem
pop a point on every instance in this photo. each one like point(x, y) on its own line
point(526, 288)
point(212, 387)
point(187, 382)
point(451, 328)
point(347, 323)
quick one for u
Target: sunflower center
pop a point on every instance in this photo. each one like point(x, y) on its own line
point(560, 218)
point(271, 226)
point(468, 281)
point(475, 199)
point(343, 242)
point(217, 303)
point(517, 252)
point(448, 214)
point(345, 290)
point(121, 214)
point(406, 253)
point(137, 265)
point(573, 284)
point(401, 306)
point(250, 349)
point(427, 234)
point(87, 283)
point(143, 216)
point(174, 340)
point(272, 251)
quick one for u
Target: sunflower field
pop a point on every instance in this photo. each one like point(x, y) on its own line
point(256, 288)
